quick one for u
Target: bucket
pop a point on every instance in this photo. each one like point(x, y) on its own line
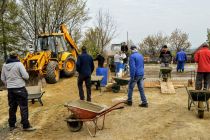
point(102, 72)
point(121, 70)
point(120, 73)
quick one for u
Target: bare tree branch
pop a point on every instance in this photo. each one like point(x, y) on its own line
point(106, 29)
point(179, 40)
point(47, 15)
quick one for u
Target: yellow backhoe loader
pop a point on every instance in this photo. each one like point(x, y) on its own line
point(52, 57)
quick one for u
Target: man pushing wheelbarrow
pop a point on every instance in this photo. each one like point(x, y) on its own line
point(201, 94)
point(165, 60)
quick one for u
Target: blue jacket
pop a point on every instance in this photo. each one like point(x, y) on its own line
point(136, 63)
point(181, 56)
point(85, 64)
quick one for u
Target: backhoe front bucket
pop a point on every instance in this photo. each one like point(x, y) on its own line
point(34, 79)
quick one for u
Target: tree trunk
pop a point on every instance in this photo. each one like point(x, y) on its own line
point(4, 37)
point(2, 10)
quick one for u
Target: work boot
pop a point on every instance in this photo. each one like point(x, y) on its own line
point(12, 128)
point(30, 128)
point(129, 103)
point(144, 105)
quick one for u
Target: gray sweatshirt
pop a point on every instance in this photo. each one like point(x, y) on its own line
point(14, 75)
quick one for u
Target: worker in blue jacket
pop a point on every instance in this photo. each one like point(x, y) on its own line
point(181, 58)
point(85, 67)
point(136, 63)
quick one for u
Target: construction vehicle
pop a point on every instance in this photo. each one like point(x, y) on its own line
point(52, 56)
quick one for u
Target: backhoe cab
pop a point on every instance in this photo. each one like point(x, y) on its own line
point(52, 57)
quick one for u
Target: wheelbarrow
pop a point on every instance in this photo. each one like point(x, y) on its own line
point(119, 82)
point(198, 98)
point(165, 73)
point(84, 112)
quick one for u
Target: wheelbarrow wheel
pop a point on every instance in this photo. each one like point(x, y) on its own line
point(200, 109)
point(116, 88)
point(74, 126)
point(200, 113)
point(165, 79)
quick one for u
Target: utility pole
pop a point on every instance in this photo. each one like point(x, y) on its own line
point(208, 36)
point(127, 40)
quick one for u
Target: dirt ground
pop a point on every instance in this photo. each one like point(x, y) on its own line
point(166, 118)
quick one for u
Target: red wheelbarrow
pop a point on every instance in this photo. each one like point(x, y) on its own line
point(83, 112)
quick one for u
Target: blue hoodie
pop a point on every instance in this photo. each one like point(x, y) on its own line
point(136, 63)
point(181, 56)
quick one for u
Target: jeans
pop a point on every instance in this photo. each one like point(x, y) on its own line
point(87, 80)
point(117, 67)
point(202, 77)
point(180, 66)
point(139, 81)
point(18, 97)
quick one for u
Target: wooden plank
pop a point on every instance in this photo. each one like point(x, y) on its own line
point(167, 87)
point(151, 84)
point(96, 78)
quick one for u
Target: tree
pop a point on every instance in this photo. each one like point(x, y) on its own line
point(91, 41)
point(10, 27)
point(130, 42)
point(208, 36)
point(41, 16)
point(152, 44)
point(179, 40)
point(3, 42)
point(106, 29)
point(3, 6)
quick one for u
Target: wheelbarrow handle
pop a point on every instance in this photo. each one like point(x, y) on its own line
point(114, 107)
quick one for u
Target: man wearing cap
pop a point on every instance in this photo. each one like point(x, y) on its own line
point(165, 56)
point(202, 58)
point(13, 76)
point(136, 63)
point(85, 67)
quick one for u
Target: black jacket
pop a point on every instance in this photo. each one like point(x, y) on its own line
point(101, 60)
point(85, 65)
point(165, 57)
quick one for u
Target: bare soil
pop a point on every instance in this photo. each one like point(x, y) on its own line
point(166, 118)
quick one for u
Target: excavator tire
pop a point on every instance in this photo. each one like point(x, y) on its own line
point(52, 72)
point(69, 66)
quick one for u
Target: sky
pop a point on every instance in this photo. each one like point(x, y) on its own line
point(141, 18)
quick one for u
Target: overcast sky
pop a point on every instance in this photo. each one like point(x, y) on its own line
point(143, 17)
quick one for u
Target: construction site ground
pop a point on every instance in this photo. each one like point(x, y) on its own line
point(167, 116)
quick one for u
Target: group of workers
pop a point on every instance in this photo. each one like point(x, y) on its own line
point(166, 58)
point(14, 75)
point(201, 57)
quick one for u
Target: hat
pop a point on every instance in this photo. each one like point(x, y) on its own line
point(133, 47)
point(205, 44)
point(13, 53)
point(164, 46)
point(83, 48)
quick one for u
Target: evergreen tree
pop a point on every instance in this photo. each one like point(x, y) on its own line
point(10, 27)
